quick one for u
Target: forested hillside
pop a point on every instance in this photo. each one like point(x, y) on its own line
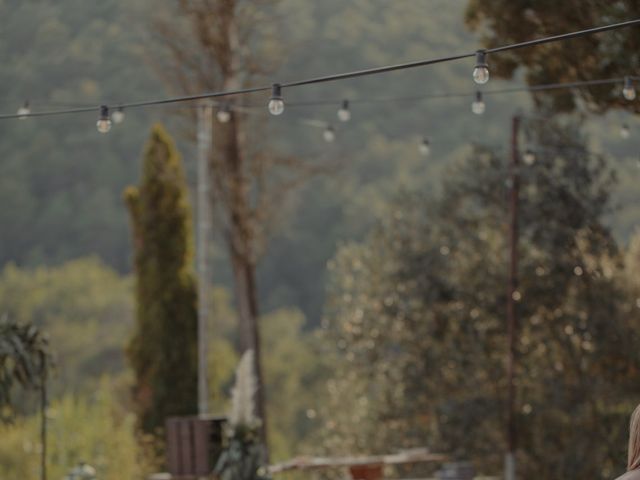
point(61, 182)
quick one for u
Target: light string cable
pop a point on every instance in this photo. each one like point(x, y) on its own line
point(447, 95)
point(480, 65)
point(224, 110)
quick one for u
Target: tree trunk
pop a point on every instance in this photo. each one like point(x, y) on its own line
point(244, 273)
point(242, 245)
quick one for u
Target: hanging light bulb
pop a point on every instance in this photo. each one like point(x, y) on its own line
point(329, 134)
point(24, 110)
point(118, 115)
point(529, 157)
point(344, 114)
point(276, 103)
point(104, 122)
point(425, 147)
point(478, 107)
point(624, 131)
point(481, 70)
point(628, 91)
point(224, 114)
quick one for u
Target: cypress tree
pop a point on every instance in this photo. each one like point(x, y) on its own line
point(163, 349)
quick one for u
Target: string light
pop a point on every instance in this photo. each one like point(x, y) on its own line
point(24, 110)
point(104, 122)
point(481, 70)
point(629, 91)
point(425, 147)
point(624, 131)
point(329, 134)
point(480, 74)
point(224, 114)
point(529, 157)
point(344, 114)
point(276, 103)
point(478, 107)
point(118, 115)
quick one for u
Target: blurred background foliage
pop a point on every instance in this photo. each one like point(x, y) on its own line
point(92, 428)
point(404, 274)
point(61, 181)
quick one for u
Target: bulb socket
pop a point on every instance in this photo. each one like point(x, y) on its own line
point(276, 92)
point(104, 112)
point(481, 59)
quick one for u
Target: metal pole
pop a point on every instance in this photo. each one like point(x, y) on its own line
point(512, 297)
point(43, 422)
point(205, 121)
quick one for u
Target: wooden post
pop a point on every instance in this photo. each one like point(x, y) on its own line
point(512, 297)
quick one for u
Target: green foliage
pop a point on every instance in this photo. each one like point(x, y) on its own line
point(84, 307)
point(163, 350)
point(417, 316)
point(610, 55)
point(24, 359)
point(87, 311)
point(61, 181)
point(91, 428)
point(243, 458)
point(294, 373)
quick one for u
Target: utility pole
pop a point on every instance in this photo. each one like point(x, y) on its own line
point(43, 417)
point(205, 122)
point(512, 297)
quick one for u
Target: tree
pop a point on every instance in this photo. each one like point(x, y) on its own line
point(86, 309)
point(417, 315)
point(94, 428)
point(222, 45)
point(608, 55)
point(24, 359)
point(163, 350)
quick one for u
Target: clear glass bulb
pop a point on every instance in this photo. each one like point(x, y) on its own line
point(329, 135)
point(424, 147)
point(529, 157)
point(481, 74)
point(23, 111)
point(223, 115)
point(629, 92)
point(104, 125)
point(478, 107)
point(118, 116)
point(344, 115)
point(276, 106)
point(625, 132)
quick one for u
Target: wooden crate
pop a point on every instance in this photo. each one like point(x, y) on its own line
point(193, 445)
point(367, 472)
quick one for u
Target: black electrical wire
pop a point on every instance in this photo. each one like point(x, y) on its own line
point(531, 88)
point(422, 63)
point(335, 77)
point(564, 36)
